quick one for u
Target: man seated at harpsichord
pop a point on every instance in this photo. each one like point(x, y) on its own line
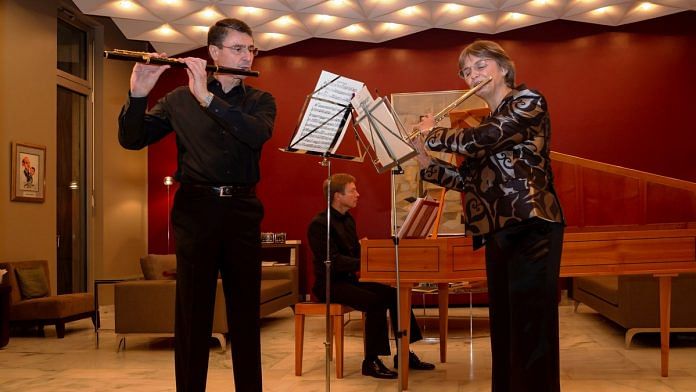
point(372, 298)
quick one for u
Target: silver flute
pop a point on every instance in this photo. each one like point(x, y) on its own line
point(439, 116)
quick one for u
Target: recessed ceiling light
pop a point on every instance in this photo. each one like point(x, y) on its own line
point(284, 20)
point(473, 19)
point(209, 13)
point(324, 18)
point(408, 11)
point(250, 10)
point(165, 29)
point(516, 15)
point(126, 4)
point(449, 7)
point(171, 2)
point(601, 11)
point(647, 6)
point(353, 29)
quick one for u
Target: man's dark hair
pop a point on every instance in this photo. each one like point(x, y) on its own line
point(218, 32)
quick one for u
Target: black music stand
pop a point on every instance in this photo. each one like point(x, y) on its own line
point(387, 137)
point(319, 134)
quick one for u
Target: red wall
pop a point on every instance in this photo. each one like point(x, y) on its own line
point(615, 95)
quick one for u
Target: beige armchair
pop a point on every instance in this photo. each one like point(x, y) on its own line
point(44, 309)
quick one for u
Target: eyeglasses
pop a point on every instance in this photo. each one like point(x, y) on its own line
point(478, 66)
point(241, 49)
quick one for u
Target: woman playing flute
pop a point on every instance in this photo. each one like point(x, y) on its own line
point(510, 206)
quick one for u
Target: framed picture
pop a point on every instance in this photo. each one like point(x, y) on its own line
point(28, 172)
point(267, 238)
point(410, 107)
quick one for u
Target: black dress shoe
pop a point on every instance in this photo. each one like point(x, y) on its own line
point(414, 362)
point(375, 368)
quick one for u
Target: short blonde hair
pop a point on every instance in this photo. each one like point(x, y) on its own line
point(490, 50)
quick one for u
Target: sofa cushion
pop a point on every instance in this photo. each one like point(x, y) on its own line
point(53, 307)
point(144, 306)
point(32, 282)
point(156, 267)
point(603, 287)
point(274, 288)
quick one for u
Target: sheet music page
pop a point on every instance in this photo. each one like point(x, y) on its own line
point(420, 219)
point(382, 124)
point(326, 119)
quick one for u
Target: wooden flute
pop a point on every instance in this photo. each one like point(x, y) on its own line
point(148, 58)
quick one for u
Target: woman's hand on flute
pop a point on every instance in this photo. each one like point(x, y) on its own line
point(427, 123)
point(417, 139)
point(423, 158)
point(144, 76)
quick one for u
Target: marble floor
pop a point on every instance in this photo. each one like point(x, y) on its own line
point(593, 358)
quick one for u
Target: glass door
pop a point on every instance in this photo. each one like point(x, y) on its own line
point(72, 121)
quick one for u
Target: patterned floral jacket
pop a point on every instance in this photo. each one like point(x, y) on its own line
point(506, 174)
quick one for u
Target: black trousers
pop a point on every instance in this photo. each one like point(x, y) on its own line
point(523, 265)
point(374, 299)
point(217, 234)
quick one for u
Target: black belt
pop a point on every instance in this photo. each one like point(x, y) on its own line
point(223, 190)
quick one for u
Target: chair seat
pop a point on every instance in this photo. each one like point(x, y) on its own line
point(336, 312)
point(49, 310)
point(52, 307)
point(319, 309)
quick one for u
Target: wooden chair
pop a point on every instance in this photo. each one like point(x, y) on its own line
point(336, 312)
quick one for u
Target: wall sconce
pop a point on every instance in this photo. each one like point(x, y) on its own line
point(168, 182)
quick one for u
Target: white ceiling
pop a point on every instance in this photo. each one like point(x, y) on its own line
point(175, 26)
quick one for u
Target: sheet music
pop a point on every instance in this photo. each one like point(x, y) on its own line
point(381, 124)
point(420, 219)
point(326, 117)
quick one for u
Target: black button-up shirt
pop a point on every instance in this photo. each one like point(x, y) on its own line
point(217, 145)
point(344, 249)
